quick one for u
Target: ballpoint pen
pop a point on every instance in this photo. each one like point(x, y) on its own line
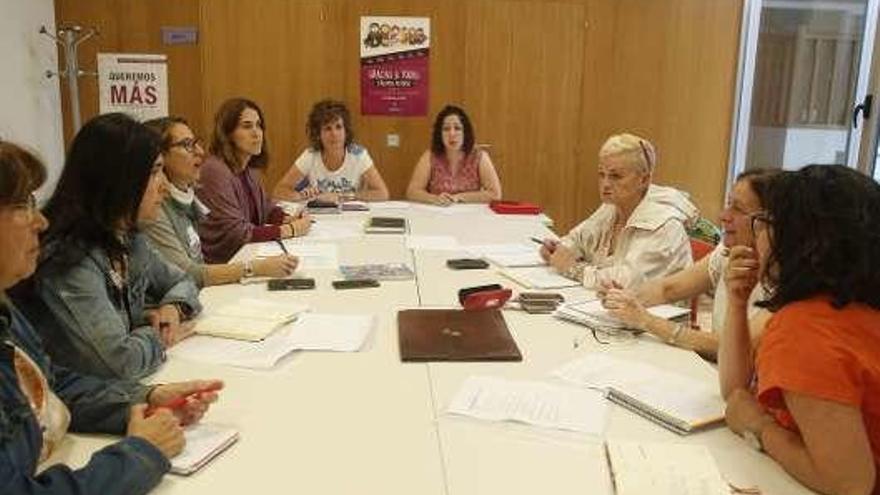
point(283, 247)
point(180, 401)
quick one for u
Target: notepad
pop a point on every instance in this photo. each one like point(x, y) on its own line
point(377, 271)
point(538, 277)
point(508, 255)
point(663, 469)
point(203, 443)
point(677, 402)
point(311, 256)
point(592, 314)
point(536, 403)
point(247, 319)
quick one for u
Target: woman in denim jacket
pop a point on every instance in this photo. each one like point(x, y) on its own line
point(106, 303)
point(40, 400)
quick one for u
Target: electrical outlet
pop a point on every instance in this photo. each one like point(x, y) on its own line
point(393, 140)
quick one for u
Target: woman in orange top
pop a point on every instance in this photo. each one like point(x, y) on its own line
point(816, 404)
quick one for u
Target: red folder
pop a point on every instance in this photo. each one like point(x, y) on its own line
point(515, 208)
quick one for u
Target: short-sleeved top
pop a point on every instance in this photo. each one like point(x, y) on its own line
point(813, 349)
point(465, 179)
point(345, 179)
point(717, 265)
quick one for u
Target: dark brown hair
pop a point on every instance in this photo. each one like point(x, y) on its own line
point(163, 126)
point(21, 173)
point(225, 122)
point(759, 180)
point(323, 113)
point(467, 145)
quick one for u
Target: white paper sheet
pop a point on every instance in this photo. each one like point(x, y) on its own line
point(203, 442)
point(432, 243)
point(663, 469)
point(508, 255)
point(331, 230)
point(538, 277)
point(311, 256)
point(537, 403)
point(311, 331)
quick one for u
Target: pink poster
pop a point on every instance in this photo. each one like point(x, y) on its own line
point(394, 65)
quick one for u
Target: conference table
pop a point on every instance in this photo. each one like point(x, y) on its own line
point(365, 422)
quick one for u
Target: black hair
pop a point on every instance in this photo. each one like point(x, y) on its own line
point(823, 223)
point(105, 176)
point(467, 145)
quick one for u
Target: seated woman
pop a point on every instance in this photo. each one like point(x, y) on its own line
point(106, 302)
point(40, 401)
point(240, 212)
point(454, 170)
point(334, 167)
point(174, 231)
point(706, 276)
point(816, 402)
point(637, 233)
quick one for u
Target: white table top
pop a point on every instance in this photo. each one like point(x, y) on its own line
point(367, 423)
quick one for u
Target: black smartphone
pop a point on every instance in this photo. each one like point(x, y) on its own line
point(467, 264)
point(360, 283)
point(291, 283)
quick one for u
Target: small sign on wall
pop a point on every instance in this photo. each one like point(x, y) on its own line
point(135, 84)
point(394, 65)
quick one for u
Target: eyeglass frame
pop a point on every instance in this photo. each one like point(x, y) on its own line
point(188, 144)
point(759, 216)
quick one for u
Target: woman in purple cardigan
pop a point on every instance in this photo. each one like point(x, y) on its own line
point(240, 209)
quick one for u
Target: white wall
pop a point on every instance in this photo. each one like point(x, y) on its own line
point(806, 146)
point(30, 103)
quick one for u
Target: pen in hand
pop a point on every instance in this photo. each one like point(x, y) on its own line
point(283, 247)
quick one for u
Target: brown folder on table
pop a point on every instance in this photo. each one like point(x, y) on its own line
point(455, 335)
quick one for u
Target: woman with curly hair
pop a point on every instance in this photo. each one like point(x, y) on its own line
point(815, 406)
point(334, 168)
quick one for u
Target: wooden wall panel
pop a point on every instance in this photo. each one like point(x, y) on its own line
point(546, 81)
point(134, 26)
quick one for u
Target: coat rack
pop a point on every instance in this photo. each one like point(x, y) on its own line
point(69, 38)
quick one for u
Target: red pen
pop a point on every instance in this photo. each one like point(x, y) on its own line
point(181, 401)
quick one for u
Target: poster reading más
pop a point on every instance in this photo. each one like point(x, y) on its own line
point(394, 65)
point(134, 84)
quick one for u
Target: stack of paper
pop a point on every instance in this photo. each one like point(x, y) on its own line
point(311, 256)
point(592, 314)
point(663, 469)
point(311, 331)
point(538, 277)
point(508, 255)
point(203, 443)
point(675, 401)
point(536, 403)
point(247, 319)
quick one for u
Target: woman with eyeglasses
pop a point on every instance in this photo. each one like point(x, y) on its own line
point(40, 400)
point(638, 233)
point(240, 210)
point(454, 170)
point(814, 404)
point(105, 301)
point(705, 276)
point(334, 168)
point(174, 232)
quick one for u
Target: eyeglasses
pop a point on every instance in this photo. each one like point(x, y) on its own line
point(26, 208)
point(760, 218)
point(189, 144)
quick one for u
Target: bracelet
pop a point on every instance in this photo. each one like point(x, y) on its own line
point(675, 334)
point(248, 269)
point(576, 271)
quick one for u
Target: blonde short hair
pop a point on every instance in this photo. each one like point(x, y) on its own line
point(639, 151)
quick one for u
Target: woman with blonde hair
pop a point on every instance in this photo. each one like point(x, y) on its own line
point(638, 232)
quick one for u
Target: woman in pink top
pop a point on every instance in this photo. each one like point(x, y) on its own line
point(453, 170)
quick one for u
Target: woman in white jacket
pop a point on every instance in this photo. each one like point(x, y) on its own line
point(638, 232)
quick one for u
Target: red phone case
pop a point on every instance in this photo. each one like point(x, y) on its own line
point(487, 299)
point(515, 208)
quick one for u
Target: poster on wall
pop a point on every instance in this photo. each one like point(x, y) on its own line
point(394, 65)
point(135, 84)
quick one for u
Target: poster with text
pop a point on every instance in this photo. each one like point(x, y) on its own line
point(394, 65)
point(134, 84)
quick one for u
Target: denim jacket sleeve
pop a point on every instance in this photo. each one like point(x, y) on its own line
point(166, 282)
point(130, 466)
point(96, 337)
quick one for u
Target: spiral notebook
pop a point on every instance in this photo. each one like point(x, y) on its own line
point(204, 442)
